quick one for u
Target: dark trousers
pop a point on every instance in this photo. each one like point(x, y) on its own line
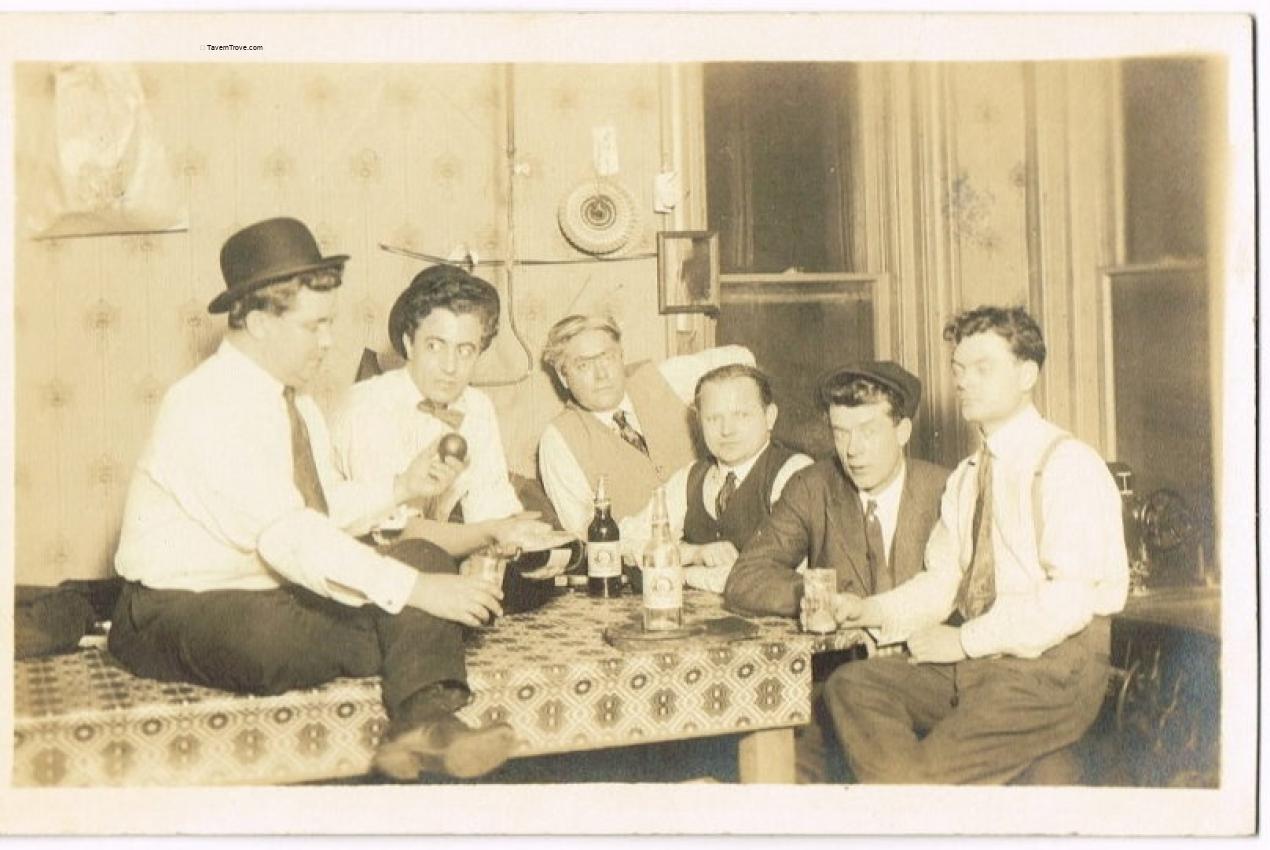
point(271, 641)
point(982, 720)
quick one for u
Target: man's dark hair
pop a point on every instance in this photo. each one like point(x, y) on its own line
point(443, 287)
point(278, 298)
point(856, 390)
point(736, 370)
point(1013, 324)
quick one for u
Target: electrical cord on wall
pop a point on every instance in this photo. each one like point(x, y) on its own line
point(509, 88)
point(470, 263)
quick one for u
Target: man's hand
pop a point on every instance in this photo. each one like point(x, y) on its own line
point(463, 599)
point(523, 529)
point(848, 609)
point(427, 476)
point(936, 645)
point(718, 554)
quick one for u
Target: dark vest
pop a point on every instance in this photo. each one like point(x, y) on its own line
point(750, 505)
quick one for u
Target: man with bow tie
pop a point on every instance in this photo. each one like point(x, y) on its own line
point(440, 324)
point(238, 542)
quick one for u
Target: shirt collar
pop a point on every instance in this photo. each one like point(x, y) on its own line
point(743, 468)
point(410, 391)
point(248, 372)
point(1014, 438)
point(606, 416)
point(890, 495)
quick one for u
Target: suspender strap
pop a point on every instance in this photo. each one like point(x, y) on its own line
point(1038, 514)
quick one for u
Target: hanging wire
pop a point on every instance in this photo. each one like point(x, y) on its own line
point(509, 89)
point(469, 263)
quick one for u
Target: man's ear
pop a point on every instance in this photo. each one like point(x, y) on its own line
point(771, 412)
point(256, 324)
point(903, 431)
point(407, 346)
point(1029, 375)
point(564, 382)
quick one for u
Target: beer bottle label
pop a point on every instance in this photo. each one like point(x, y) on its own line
point(663, 587)
point(604, 560)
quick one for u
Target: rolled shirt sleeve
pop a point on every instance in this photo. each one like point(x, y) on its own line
point(305, 548)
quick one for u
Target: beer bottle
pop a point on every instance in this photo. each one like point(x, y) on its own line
point(603, 548)
point(663, 576)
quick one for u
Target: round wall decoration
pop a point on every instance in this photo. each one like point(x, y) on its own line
point(598, 216)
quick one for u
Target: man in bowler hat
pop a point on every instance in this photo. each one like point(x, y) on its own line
point(866, 512)
point(239, 538)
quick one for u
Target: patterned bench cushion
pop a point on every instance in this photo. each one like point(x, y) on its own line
point(83, 720)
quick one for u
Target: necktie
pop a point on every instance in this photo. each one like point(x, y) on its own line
point(628, 433)
point(725, 495)
point(978, 588)
point(883, 580)
point(444, 412)
point(303, 467)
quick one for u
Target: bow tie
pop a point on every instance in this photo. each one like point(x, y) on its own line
point(444, 412)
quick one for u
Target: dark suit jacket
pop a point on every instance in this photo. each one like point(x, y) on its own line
point(819, 517)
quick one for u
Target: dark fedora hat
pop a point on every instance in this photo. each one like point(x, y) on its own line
point(267, 252)
point(886, 373)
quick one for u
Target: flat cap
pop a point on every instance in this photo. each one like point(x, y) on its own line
point(886, 373)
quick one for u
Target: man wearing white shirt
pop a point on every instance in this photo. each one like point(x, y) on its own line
point(633, 425)
point(242, 571)
point(440, 324)
point(716, 504)
point(1007, 625)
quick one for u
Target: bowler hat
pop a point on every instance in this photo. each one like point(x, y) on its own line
point(886, 373)
point(267, 252)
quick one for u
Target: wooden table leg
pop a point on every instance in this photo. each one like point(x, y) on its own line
point(767, 756)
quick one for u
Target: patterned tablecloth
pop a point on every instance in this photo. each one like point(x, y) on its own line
point(82, 720)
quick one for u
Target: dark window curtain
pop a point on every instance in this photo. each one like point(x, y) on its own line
point(775, 169)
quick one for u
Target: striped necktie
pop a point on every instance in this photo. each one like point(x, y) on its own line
point(726, 492)
point(628, 432)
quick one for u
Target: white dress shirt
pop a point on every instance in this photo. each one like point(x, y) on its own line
point(562, 476)
point(635, 528)
point(213, 504)
point(378, 429)
point(888, 509)
point(1045, 593)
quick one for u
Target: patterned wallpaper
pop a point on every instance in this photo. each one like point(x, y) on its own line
point(414, 156)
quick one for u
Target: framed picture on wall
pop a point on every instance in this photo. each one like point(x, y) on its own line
point(688, 271)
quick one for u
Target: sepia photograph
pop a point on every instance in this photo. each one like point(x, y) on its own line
point(463, 414)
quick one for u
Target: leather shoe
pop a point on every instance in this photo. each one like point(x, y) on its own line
point(445, 746)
